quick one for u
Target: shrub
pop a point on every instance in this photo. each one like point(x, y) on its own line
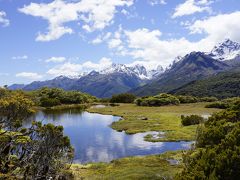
point(217, 148)
point(48, 97)
point(187, 99)
point(208, 99)
point(219, 105)
point(49, 102)
point(123, 98)
point(158, 100)
point(191, 120)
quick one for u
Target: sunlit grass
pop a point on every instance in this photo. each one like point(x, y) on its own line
point(164, 118)
point(146, 167)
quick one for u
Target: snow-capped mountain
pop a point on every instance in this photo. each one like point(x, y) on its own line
point(140, 71)
point(227, 50)
point(177, 59)
point(155, 72)
point(137, 70)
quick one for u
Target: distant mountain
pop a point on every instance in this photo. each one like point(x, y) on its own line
point(222, 85)
point(117, 78)
point(16, 86)
point(137, 70)
point(105, 85)
point(194, 66)
point(227, 50)
point(62, 82)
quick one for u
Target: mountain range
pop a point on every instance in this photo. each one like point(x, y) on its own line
point(119, 78)
point(115, 79)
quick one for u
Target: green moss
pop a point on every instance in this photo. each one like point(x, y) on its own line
point(165, 119)
point(145, 167)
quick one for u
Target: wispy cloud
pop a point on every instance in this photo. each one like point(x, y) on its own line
point(29, 75)
point(157, 2)
point(24, 57)
point(55, 59)
point(3, 20)
point(192, 6)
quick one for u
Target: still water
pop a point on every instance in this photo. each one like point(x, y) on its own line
point(95, 141)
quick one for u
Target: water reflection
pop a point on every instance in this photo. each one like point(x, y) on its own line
point(95, 141)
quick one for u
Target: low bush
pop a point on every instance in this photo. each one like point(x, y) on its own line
point(123, 98)
point(158, 100)
point(191, 120)
point(208, 99)
point(49, 102)
point(219, 105)
point(48, 97)
point(187, 99)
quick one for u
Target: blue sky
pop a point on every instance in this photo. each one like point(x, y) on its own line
point(44, 39)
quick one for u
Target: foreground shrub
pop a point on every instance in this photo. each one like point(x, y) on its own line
point(35, 152)
point(191, 120)
point(123, 98)
point(216, 155)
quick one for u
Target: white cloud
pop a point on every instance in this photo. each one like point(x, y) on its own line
point(157, 2)
point(24, 57)
point(113, 43)
point(148, 47)
point(103, 37)
point(218, 27)
point(94, 15)
point(29, 75)
point(3, 20)
point(192, 6)
point(68, 69)
point(74, 69)
point(55, 59)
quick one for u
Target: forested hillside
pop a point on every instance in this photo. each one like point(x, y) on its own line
point(222, 85)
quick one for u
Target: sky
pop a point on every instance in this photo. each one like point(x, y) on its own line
point(43, 39)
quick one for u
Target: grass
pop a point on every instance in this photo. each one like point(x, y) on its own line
point(146, 167)
point(164, 119)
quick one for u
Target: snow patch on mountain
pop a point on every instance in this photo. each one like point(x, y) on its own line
point(227, 50)
point(137, 70)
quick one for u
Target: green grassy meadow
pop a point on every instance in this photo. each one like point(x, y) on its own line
point(166, 119)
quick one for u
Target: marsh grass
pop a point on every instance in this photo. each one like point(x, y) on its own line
point(163, 119)
point(145, 167)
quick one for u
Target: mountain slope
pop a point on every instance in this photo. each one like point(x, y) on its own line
point(59, 82)
point(193, 66)
point(222, 85)
point(102, 85)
